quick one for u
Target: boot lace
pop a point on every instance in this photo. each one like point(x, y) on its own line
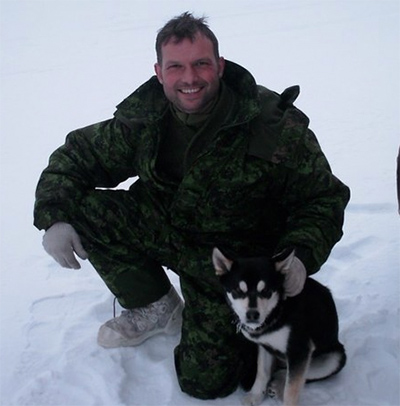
point(146, 317)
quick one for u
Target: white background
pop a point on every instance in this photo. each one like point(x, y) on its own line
point(66, 64)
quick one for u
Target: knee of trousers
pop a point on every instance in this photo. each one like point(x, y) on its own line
point(207, 373)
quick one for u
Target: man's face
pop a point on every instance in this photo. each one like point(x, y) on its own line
point(190, 73)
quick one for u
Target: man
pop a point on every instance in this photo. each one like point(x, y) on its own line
point(221, 162)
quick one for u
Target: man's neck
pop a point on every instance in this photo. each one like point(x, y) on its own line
point(194, 119)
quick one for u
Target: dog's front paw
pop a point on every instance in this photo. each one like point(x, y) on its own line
point(253, 399)
point(276, 385)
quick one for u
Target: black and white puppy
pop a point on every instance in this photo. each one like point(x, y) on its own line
point(300, 333)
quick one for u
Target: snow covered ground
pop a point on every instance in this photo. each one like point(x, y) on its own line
point(66, 64)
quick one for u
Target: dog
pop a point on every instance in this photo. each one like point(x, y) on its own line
point(297, 337)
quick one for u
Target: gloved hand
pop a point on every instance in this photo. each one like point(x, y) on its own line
point(61, 241)
point(295, 274)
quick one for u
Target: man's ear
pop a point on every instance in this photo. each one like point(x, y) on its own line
point(158, 70)
point(221, 67)
point(222, 265)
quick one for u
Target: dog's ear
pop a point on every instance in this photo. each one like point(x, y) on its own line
point(284, 259)
point(222, 265)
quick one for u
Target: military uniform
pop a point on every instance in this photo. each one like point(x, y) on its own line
point(248, 177)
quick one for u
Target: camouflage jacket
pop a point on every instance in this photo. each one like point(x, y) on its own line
point(257, 181)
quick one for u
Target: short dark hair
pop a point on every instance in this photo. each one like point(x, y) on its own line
point(185, 26)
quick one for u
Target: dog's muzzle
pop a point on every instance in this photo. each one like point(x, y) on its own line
point(252, 316)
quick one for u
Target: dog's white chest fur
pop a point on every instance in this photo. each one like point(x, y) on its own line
point(277, 340)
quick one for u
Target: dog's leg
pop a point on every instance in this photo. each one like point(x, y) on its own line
point(295, 380)
point(326, 364)
point(276, 386)
point(258, 391)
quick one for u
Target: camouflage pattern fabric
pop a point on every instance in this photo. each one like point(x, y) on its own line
point(254, 181)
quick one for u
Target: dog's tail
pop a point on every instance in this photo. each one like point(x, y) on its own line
point(326, 364)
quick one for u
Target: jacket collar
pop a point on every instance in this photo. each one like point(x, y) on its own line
point(148, 102)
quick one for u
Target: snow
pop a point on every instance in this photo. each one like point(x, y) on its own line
point(66, 64)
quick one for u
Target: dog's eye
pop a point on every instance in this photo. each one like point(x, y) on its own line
point(237, 293)
point(266, 293)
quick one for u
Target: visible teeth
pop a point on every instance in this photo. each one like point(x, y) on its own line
point(190, 90)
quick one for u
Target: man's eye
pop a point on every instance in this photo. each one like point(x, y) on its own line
point(202, 64)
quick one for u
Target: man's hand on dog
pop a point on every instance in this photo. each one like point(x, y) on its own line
point(295, 274)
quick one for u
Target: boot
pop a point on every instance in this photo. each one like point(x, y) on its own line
point(134, 326)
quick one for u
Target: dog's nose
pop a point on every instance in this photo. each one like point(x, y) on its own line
point(253, 315)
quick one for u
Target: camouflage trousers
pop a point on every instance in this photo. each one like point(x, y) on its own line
point(128, 243)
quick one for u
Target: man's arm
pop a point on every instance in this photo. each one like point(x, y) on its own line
point(99, 155)
point(315, 201)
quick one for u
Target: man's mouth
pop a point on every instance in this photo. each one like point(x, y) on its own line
point(190, 90)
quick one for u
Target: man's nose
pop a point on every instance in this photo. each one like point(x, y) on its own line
point(189, 75)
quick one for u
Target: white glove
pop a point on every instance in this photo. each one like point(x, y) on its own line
point(61, 241)
point(295, 274)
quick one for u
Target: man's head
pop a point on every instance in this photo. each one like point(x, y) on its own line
point(185, 26)
point(188, 63)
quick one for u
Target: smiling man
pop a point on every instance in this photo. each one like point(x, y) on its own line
point(220, 161)
point(190, 73)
